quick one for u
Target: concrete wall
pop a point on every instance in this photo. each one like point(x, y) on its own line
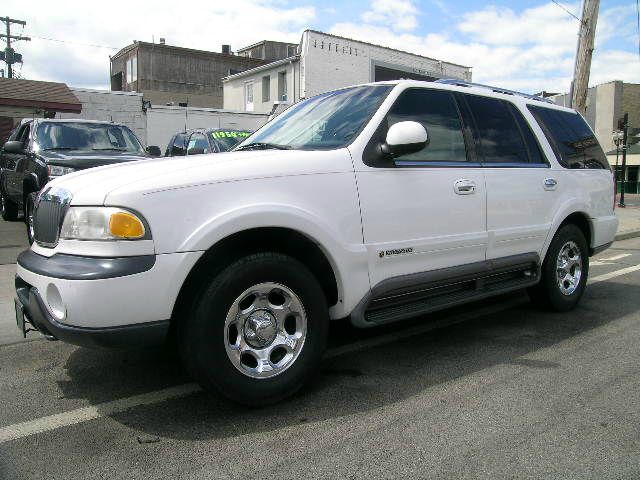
point(329, 62)
point(163, 122)
point(631, 103)
point(118, 107)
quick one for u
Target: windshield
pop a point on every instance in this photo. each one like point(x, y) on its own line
point(227, 139)
point(87, 137)
point(324, 122)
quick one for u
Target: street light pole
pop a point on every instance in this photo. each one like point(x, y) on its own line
point(625, 128)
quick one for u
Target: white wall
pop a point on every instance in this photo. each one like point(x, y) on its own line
point(164, 121)
point(330, 62)
point(118, 107)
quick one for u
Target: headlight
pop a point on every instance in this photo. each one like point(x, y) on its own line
point(102, 223)
point(58, 171)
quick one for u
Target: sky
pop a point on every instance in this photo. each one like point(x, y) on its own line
point(523, 45)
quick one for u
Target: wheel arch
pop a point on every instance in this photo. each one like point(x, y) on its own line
point(580, 219)
point(283, 240)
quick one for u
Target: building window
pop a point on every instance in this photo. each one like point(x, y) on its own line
point(248, 96)
point(266, 88)
point(132, 70)
point(282, 86)
point(291, 50)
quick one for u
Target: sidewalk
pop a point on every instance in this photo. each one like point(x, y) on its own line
point(629, 217)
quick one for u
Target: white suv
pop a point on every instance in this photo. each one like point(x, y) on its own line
point(376, 202)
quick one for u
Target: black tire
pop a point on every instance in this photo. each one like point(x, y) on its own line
point(201, 334)
point(548, 293)
point(8, 210)
point(28, 215)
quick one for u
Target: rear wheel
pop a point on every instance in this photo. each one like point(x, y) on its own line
point(8, 209)
point(29, 205)
point(257, 331)
point(564, 271)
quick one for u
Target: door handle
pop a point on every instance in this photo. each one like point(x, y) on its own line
point(550, 183)
point(463, 186)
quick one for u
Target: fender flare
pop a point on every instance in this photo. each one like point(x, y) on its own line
point(570, 208)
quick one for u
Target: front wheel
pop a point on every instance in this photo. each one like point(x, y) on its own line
point(257, 331)
point(8, 209)
point(564, 271)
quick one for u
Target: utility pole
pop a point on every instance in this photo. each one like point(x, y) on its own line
point(9, 55)
point(625, 129)
point(584, 52)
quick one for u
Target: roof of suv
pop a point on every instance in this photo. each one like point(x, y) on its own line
point(73, 120)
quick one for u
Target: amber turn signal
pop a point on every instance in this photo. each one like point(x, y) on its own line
point(126, 225)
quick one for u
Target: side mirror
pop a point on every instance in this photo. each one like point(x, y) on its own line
point(404, 138)
point(153, 151)
point(195, 151)
point(13, 146)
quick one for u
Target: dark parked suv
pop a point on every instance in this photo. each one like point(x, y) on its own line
point(42, 149)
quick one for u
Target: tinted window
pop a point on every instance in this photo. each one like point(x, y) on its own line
point(572, 140)
point(436, 110)
point(533, 148)
point(198, 144)
point(499, 135)
point(178, 147)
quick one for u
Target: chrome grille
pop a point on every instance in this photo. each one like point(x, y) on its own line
point(49, 212)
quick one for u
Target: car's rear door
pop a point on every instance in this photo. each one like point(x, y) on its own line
point(522, 190)
point(426, 210)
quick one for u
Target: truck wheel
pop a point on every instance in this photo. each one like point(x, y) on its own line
point(257, 331)
point(564, 271)
point(28, 215)
point(8, 209)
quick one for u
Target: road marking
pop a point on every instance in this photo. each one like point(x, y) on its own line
point(85, 414)
point(615, 257)
point(615, 273)
point(80, 415)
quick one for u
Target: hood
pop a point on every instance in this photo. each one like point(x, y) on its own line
point(119, 182)
point(80, 160)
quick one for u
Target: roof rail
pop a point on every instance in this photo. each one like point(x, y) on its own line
point(462, 83)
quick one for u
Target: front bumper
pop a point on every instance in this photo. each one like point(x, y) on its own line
point(120, 301)
point(123, 336)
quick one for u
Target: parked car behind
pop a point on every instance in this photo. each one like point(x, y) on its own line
point(204, 140)
point(42, 149)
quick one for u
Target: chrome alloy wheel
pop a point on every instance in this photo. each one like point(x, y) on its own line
point(265, 330)
point(569, 268)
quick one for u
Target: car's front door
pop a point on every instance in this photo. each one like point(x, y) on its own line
point(426, 210)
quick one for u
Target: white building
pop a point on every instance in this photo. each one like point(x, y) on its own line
point(325, 62)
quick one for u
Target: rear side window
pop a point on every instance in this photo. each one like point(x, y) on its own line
point(572, 140)
point(436, 110)
point(500, 137)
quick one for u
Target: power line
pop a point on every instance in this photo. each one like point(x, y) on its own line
point(74, 43)
point(568, 11)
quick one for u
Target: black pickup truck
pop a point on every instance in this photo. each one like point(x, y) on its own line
point(42, 149)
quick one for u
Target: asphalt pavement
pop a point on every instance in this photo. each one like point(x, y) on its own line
point(496, 389)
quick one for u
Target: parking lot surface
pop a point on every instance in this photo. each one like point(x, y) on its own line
point(497, 389)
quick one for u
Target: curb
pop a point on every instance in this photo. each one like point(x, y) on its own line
point(627, 235)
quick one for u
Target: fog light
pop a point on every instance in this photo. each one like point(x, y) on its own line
point(54, 299)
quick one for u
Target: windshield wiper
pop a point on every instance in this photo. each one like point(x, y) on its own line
point(115, 149)
point(63, 148)
point(263, 146)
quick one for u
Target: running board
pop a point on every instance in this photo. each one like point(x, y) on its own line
point(412, 295)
